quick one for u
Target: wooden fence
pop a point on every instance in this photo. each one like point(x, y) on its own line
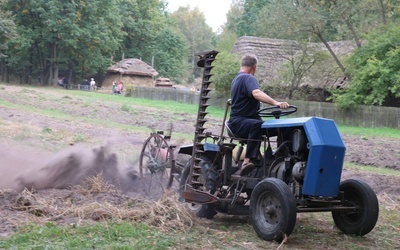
point(363, 116)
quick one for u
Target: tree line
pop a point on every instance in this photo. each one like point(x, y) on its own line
point(81, 38)
point(44, 39)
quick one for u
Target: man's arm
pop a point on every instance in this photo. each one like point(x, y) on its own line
point(263, 97)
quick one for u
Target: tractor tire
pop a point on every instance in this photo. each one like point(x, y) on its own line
point(360, 222)
point(209, 179)
point(272, 209)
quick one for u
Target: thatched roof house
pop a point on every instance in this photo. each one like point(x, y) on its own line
point(130, 71)
point(272, 53)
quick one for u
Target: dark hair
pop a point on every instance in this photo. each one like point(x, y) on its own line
point(249, 61)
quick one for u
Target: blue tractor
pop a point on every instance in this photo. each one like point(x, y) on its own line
point(298, 171)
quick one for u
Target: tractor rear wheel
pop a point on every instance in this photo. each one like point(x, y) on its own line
point(272, 209)
point(362, 220)
point(208, 178)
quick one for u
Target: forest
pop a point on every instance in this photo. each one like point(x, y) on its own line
point(43, 40)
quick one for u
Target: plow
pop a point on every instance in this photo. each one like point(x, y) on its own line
point(298, 171)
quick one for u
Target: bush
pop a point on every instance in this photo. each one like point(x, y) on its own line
point(374, 70)
point(226, 66)
point(129, 88)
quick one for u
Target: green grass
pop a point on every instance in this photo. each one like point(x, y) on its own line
point(59, 114)
point(104, 235)
point(312, 231)
point(131, 103)
point(369, 132)
point(372, 169)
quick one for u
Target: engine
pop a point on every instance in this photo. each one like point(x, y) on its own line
point(291, 167)
point(298, 171)
point(309, 156)
point(300, 149)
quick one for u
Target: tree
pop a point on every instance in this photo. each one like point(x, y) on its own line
point(151, 36)
point(226, 40)
point(352, 19)
point(7, 32)
point(345, 13)
point(250, 15)
point(7, 29)
point(300, 58)
point(170, 58)
point(81, 39)
point(233, 18)
point(64, 35)
point(299, 20)
point(142, 23)
point(198, 34)
point(226, 66)
point(374, 70)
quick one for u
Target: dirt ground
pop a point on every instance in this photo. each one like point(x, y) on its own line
point(53, 152)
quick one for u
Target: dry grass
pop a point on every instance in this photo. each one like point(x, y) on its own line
point(389, 202)
point(94, 184)
point(97, 200)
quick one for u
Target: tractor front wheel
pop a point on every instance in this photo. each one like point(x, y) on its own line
point(272, 209)
point(362, 220)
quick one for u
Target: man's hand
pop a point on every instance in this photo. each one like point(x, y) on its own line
point(283, 105)
point(263, 97)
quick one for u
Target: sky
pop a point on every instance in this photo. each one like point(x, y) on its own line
point(214, 10)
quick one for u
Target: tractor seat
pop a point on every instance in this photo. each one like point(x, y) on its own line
point(233, 136)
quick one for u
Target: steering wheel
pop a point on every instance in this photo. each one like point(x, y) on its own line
point(276, 111)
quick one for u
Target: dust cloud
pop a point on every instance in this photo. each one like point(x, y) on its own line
point(25, 167)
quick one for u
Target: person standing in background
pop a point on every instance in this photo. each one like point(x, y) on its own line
point(92, 84)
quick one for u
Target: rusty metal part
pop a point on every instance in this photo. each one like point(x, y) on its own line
point(206, 58)
point(198, 196)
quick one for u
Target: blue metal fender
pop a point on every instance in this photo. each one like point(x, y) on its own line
point(326, 153)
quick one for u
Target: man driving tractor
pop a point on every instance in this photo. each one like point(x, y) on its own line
point(244, 120)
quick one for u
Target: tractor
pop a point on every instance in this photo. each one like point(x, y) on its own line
point(298, 170)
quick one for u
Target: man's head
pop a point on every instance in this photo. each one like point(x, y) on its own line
point(249, 61)
point(249, 64)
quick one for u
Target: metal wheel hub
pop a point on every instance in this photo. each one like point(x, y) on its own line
point(271, 211)
point(154, 166)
